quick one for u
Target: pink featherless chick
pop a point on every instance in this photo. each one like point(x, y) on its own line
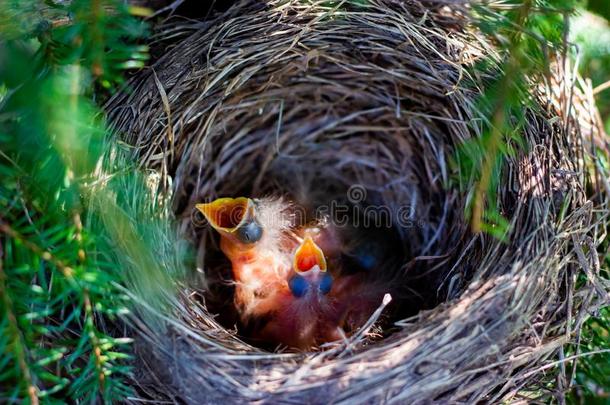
point(283, 282)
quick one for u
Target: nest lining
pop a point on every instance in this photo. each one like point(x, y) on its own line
point(306, 101)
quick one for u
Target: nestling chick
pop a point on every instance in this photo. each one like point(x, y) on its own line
point(253, 237)
point(282, 275)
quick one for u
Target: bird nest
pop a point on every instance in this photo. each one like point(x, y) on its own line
point(368, 105)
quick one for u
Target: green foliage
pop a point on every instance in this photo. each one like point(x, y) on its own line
point(59, 280)
point(97, 35)
point(526, 32)
point(591, 33)
point(600, 7)
point(592, 378)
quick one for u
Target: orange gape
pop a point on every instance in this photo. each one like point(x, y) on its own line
point(281, 275)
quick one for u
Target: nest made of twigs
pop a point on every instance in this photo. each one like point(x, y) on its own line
point(308, 100)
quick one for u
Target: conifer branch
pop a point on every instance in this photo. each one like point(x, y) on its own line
point(19, 347)
point(499, 118)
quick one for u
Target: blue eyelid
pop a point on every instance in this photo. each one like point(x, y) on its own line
point(298, 286)
point(326, 283)
point(250, 232)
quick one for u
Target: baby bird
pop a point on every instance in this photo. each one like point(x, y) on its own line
point(253, 238)
point(290, 281)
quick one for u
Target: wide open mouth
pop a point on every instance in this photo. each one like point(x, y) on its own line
point(227, 214)
point(308, 255)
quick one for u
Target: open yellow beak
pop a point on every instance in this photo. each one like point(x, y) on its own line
point(234, 218)
point(307, 256)
point(227, 214)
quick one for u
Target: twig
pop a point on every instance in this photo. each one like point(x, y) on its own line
point(601, 87)
point(558, 362)
point(45, 255)
point(387, 298)
point(170, 7)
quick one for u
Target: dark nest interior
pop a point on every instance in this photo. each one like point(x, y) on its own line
point(366, 106)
